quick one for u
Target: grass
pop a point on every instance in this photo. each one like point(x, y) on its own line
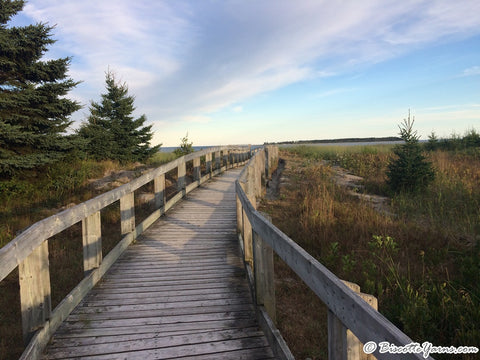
point(422, 264)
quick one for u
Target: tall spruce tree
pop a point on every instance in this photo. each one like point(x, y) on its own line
point(112, 132)
point(34, 112)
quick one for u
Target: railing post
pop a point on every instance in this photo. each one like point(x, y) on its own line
point(127, 213)
point(258, 164)
point(264, 275)
point(208, 163)
point(159, 189)
point(218, 160)
point(239, 216)
point(35, 291)
point(342, 343)
point(92, 242)
point(181, 172)
point(196, 170)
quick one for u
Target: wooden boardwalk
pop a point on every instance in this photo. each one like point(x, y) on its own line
point(179, 292)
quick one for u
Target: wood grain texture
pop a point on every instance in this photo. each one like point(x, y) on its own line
point(179, 292)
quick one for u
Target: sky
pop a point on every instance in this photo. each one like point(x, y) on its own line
point(249, 72)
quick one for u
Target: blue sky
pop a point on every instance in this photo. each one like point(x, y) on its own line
point(239, 72)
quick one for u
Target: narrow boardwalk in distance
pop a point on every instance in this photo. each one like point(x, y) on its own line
point(179, 292)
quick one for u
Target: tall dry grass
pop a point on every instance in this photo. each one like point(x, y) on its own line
point(422, 263)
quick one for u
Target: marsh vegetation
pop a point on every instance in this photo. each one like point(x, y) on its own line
point(422, 261)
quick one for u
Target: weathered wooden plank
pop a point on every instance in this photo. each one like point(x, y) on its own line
point(12, 254)
point(35, 298)
point(130, 342)
point(166, 329)
point(159, 320)
point(264, 276)
point(366, 323)
point(148, 297)
point(92, 242)
point(159, 190)
point(185, 350)
point(153, 313)
point(161, 342)
point(127, 213)
point(142, 306)
point(176, 285)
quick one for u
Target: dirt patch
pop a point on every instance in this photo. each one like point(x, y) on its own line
point(273, 185)
point(117, 178)
point(355, 188)
point(342, 177)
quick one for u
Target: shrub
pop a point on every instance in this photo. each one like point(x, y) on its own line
point(409, 171)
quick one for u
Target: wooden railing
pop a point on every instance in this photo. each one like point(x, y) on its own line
point(347, 311)
point(29, 250)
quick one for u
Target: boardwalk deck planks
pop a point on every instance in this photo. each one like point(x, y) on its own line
point(178, 292)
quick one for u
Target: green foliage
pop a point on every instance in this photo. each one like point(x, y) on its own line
point(34, 111)
point(185, 147)
point(160, 158)
point(111, 131)
point(470, 142)
point(409, 170)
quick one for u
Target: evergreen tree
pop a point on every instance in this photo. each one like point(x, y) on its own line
point(185, 147)
point(410, 170)
point(112, 132)
point(34, 112)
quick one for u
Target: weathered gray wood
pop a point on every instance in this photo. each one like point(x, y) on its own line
point(185, 284)
point(181, 172)
point(157, 342)
point(35, 298)
point(247, 239)
point(18, 250)
point(159, 189)
point(208, 165)
point(12, 254)
point(366, 323)
point(92, 242)
point(275, 339)
point(239, 216)
point(218, 160)
point(127, 213)
point(196, 170)
point(264, 276)
point(341, 340)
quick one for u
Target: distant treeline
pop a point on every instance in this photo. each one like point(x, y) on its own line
point(471, 139)
point(345, 140)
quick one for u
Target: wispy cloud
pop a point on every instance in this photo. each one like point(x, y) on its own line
point(472, 71)
point(185, 59)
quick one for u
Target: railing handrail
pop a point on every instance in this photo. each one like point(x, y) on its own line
point(364, 321)
point(29, 250)
point(13, 253)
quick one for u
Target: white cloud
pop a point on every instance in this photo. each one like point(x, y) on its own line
point(472, 71)
point(185, 59)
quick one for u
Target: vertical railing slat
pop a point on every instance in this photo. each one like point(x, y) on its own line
point(181, 172)
point(92, 242)
point(127, 213)
point(35, 291)
point(264, 275)
point(196, 170)
point(159, 190)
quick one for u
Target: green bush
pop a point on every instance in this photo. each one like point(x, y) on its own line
point(409, 170)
